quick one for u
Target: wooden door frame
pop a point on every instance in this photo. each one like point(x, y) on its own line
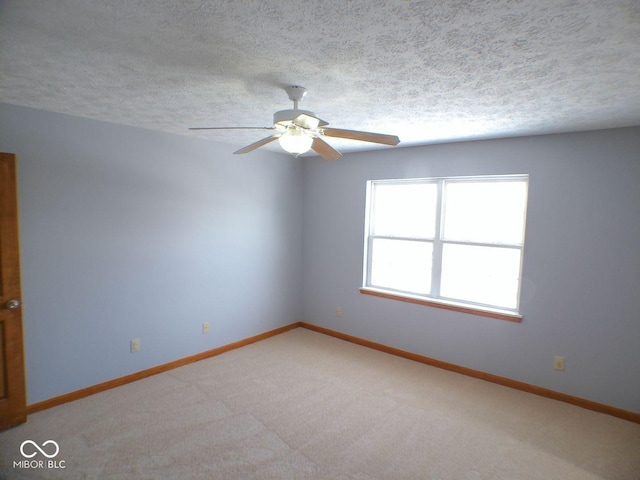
point(13, 410)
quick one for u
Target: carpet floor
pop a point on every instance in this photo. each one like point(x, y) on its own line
point(303, 405)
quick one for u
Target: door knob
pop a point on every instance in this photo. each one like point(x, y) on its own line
point(13, 303)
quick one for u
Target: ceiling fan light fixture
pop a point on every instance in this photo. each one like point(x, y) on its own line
point(295, 141)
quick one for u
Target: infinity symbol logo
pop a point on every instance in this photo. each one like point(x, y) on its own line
point(37, 447)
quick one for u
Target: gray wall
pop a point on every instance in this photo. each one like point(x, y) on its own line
point(128, 233)
point(581, 273)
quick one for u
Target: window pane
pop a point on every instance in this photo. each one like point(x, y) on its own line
point(485, 275)
point(488, 212)
point(401, 265)
point(405, 209)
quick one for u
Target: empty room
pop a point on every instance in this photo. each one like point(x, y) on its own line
point(314, 240)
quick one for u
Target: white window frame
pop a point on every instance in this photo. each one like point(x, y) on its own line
point(434, 298)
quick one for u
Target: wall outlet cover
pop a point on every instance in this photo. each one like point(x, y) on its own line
point(558, 362)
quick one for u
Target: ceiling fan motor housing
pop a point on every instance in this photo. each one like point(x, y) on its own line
point(285, 117)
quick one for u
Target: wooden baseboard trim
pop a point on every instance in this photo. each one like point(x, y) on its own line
point(117, 382)
point(507, 382)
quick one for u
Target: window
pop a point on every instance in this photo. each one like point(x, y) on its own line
point(455, 242)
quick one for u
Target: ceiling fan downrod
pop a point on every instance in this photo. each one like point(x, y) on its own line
point(296, 94)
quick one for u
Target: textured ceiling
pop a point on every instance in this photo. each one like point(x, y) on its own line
point(427, 71)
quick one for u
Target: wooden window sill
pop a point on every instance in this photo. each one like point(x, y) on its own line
point(499, 314)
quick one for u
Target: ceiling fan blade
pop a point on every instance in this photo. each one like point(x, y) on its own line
point(258, 144)
point(325, 150)
point(307, 121)
point(362, 136)
point(231, 128)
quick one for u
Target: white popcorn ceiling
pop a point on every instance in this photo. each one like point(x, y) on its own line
point(427, 71)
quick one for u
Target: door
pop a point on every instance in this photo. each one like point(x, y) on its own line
point(13, 409)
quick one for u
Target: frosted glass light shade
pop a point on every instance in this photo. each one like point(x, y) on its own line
point(295, 141)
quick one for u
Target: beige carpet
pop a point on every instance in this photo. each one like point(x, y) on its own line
point(303, 405)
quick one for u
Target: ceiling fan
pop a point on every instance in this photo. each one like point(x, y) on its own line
point(299, 131)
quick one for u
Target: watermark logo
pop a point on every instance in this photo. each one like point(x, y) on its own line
point(49, 449)
point(40, 449)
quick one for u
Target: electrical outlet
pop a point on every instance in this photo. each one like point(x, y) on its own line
point(558, 363)
point(338, 312)
point(135, 345)
point(205, 327)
